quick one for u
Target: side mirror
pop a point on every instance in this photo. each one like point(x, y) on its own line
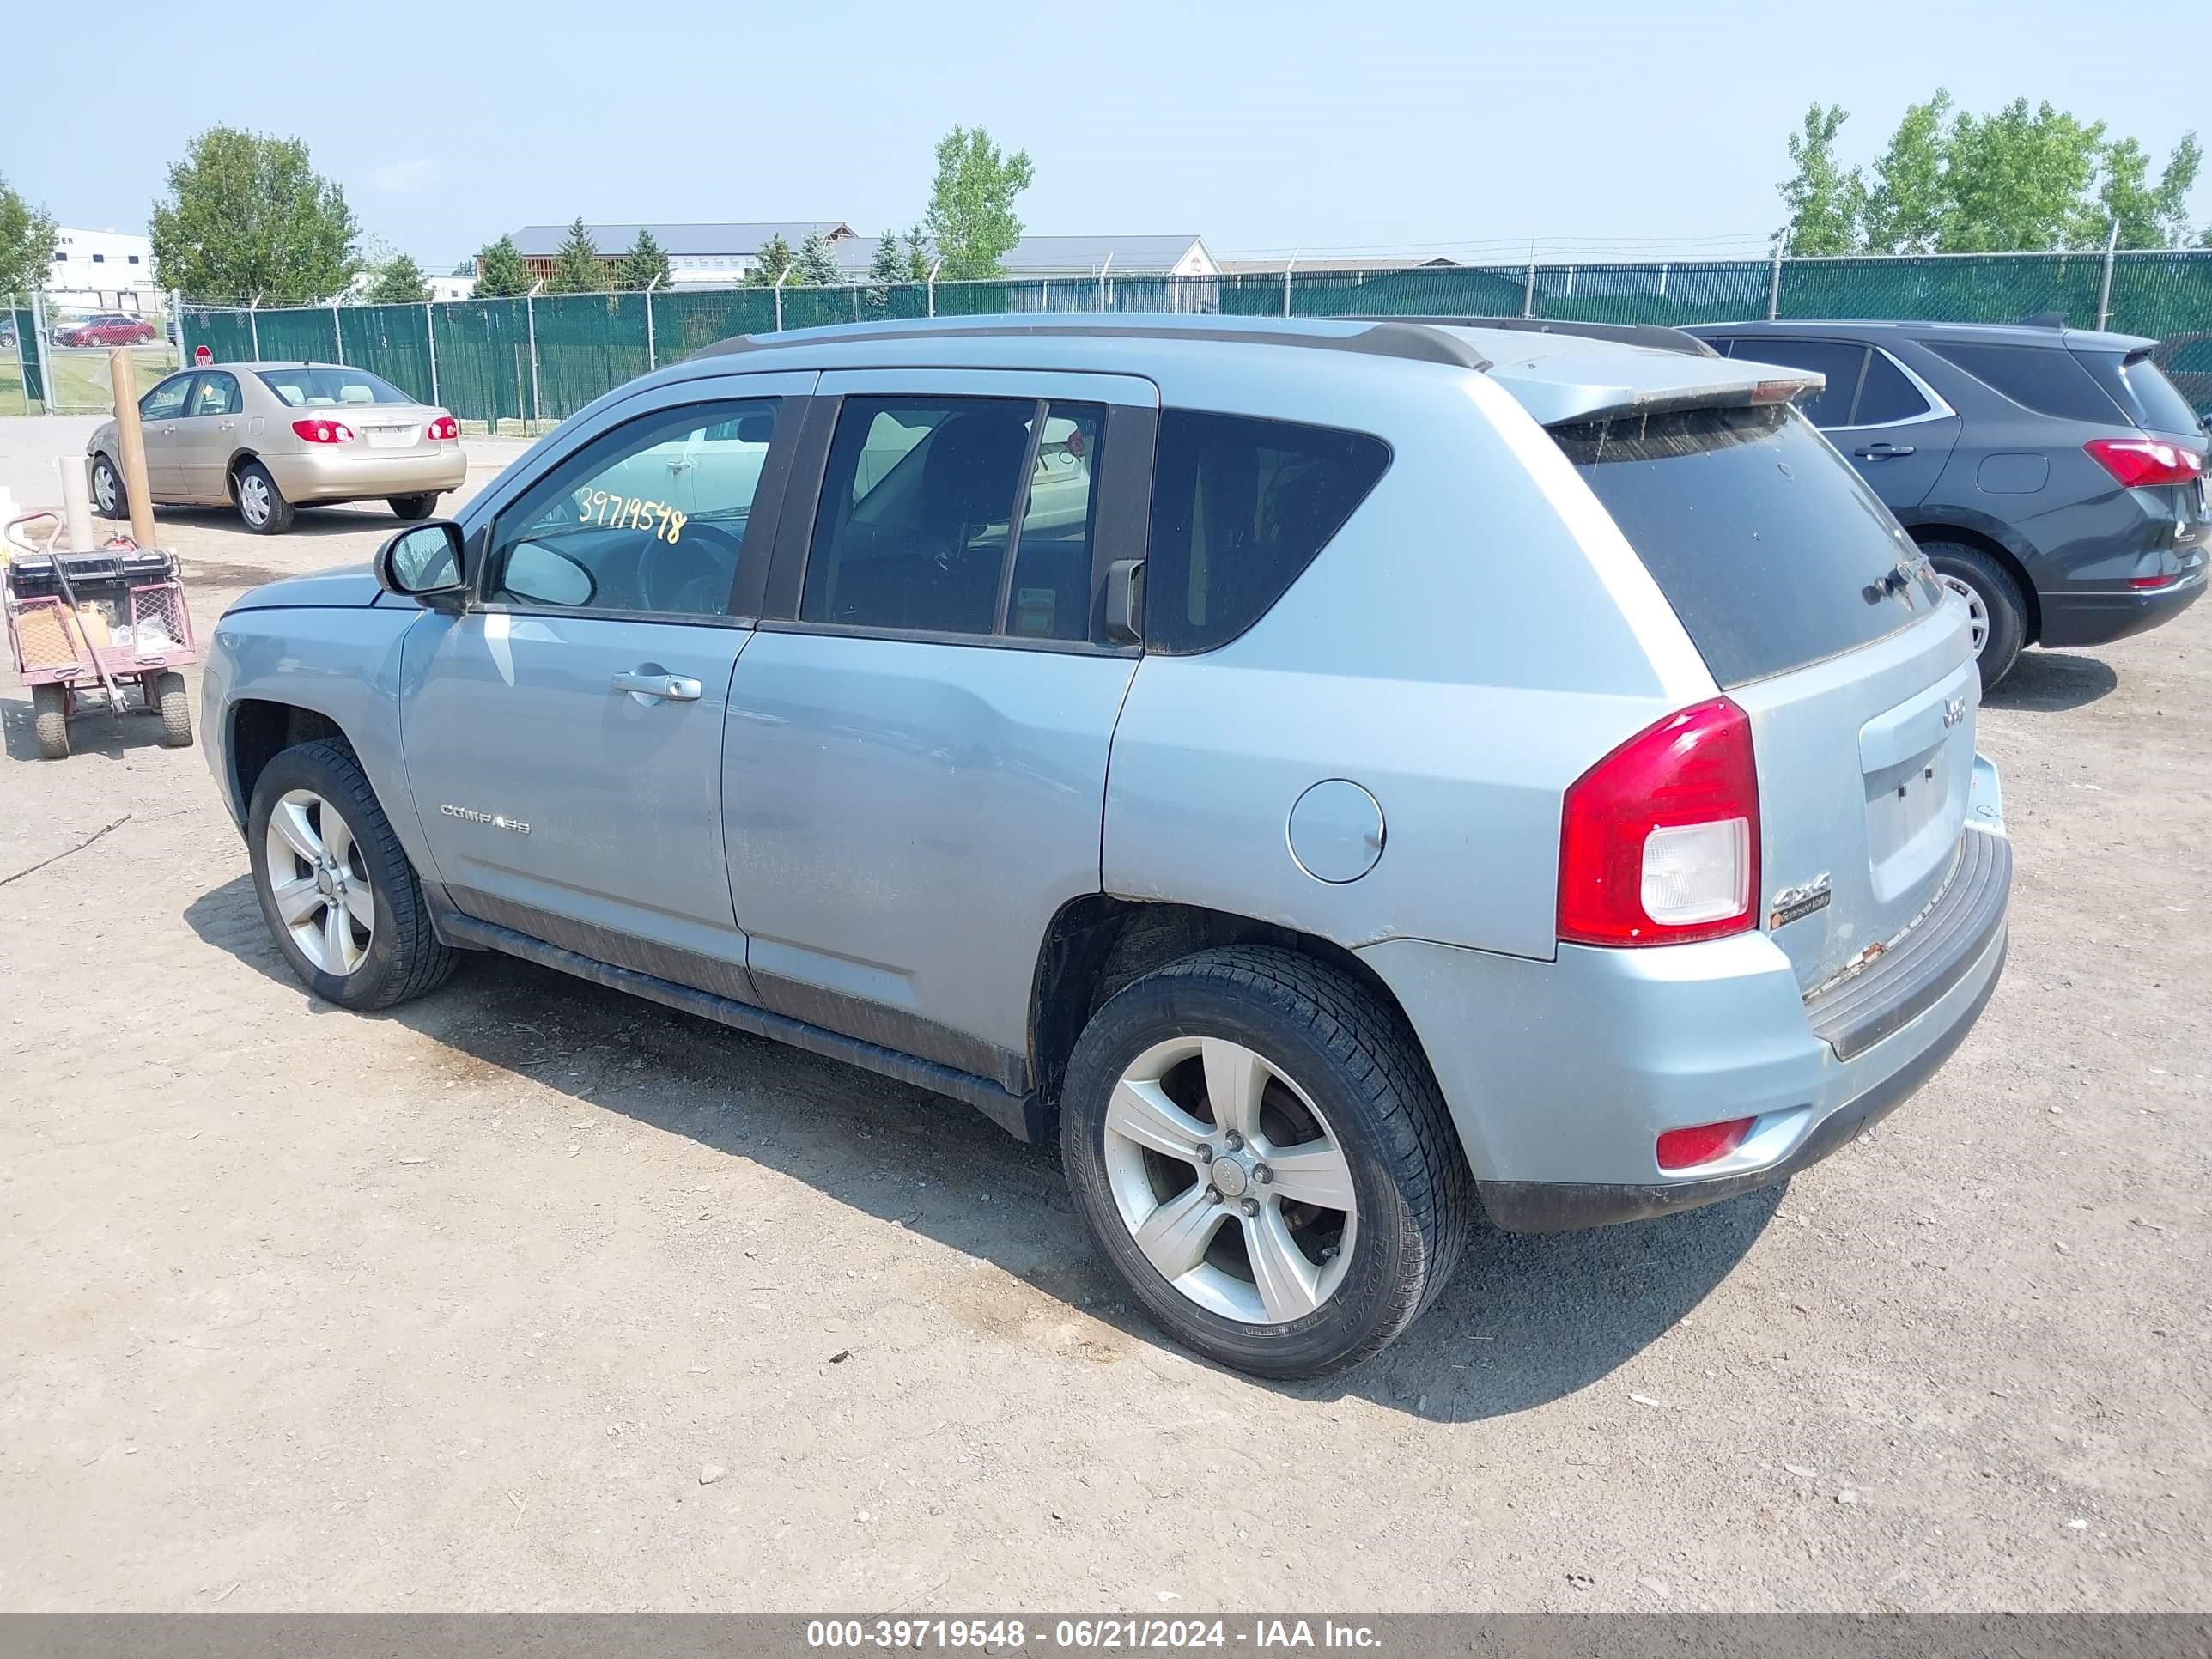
point(424, 563)
point(1125, 601)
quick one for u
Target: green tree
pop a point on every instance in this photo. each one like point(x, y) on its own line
point(2149, 215)
point(577, 267)
point(774, 258)
point(499, 271)
point(972, 216)
point(2019, 179)
point(399, 281)
point(1904, 208)
point(815, 265)
point(919, 259)
point(1825, 200)
point(887, 269)
point(246, 214)
point(644, 265)
point(27, 245)
point(466, 268)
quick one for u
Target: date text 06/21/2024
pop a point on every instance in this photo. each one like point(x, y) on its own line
point(1263, 1634)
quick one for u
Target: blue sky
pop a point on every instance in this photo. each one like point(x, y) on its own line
point(1638, 128)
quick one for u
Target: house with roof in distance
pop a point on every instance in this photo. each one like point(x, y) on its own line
point(699, 256)
point(721, 255)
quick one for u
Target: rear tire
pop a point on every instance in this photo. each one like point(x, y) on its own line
point(260, 503)
point(50, 720)
point(332, 812)
point(176, 709)
point(412, 507)
point(108, 499)
point(2000, 611)
point(1271, 1276)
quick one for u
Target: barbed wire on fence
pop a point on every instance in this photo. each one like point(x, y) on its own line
point(528, 360)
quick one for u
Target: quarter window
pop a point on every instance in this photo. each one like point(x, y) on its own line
point(166, 402)
point(2048, 380)
point(649, 518)
point(1240, 507)
point(920, 501)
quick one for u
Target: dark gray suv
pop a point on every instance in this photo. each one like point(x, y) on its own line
point(2054, 477)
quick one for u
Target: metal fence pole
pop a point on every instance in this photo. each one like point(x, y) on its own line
point(929, 285)
point(337, 334)
point(430, 339)
point(1774, 286)
point(1529, 294)
point(1103, 270)
point(2105, 288)
point(45, 347)
point(16, 333)
point(1287, 264)
point(530, 324)
point(253, 325)
point(652, 350)
point(779, 282)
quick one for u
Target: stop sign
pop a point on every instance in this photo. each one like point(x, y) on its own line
point(202, 355)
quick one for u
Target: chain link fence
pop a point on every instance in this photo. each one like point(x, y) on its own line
point(522, 364)
point(54, 357)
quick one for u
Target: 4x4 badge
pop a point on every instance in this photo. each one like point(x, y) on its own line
point(1791, 902)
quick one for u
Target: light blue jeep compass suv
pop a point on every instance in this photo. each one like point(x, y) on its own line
point(1331, 775)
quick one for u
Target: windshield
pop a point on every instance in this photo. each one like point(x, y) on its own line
point(313, 388)
point(1770, 548)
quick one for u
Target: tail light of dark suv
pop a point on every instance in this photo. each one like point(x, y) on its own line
point(2145, 463)
point(1659, 840)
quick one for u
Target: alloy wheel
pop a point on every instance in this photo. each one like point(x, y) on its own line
point(1978, 610)
point(319, 882)
point(1230, 1181)
point(103, 489)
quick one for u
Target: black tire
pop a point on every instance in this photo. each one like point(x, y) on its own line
point(50, 720)
point(108, 497)
point(175, 707)
point(1361, 1067)
point(404, 958)
point(412, 507)
point(252, 479)
point(2003, 611)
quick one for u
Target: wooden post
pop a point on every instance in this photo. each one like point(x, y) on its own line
point(130, 439)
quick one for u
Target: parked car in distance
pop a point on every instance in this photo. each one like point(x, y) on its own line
point(1329, 775)
point(108, 329)
point(2054, 477)
point(267, 437)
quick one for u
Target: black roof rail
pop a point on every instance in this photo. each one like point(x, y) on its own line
point(1657, 337)
point(1382, 337)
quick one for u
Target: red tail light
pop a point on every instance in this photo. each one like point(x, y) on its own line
point(324, 432)
point(444, 428)
point(1685, 1148)
point(2139, 462)
point(1659, 840)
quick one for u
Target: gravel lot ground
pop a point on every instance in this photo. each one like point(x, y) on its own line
point(529, 1296)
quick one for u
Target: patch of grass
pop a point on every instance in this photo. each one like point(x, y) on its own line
point(78, 381)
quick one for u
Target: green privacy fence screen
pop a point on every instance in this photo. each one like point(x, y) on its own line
point(543, 359)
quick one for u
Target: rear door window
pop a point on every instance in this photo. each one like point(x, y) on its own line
point(1885, 396)
point(1840, 361)
point(1770, 549)
point(2049, 379)
point(1240, 507)
point(2142, 390)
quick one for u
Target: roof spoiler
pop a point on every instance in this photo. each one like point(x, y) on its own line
point(1655, 337)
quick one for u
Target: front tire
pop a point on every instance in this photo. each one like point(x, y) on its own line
point(1994, 602)
point(336, 888)
point(1257, 1146)
point(107, 497)
point(260, 503)
point(412, 507)
point(50, 720)
point(176, 706)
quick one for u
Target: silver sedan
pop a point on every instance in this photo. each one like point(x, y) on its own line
point(267, 437)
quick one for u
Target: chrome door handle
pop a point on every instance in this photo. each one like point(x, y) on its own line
point(1882, 452)
point(229, 426)
point(672, 688)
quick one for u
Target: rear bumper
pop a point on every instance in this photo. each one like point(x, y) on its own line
point(353, 473)
point(1561, 1076)
point(2076, 618)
